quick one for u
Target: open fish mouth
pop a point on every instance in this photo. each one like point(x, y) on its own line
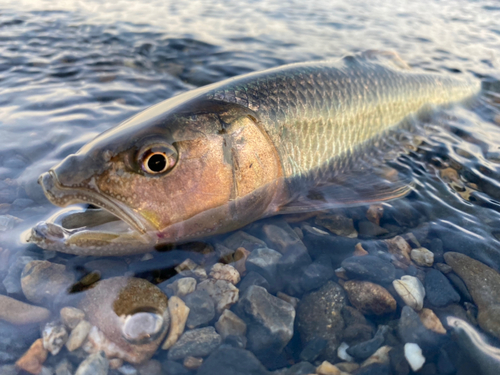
point(98, 223)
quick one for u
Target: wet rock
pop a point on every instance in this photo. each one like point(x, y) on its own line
point(12, 281)
point(78, 335)
point(413, 355)
point(374, 369)
point(239, 260)
point(291, 264)
point(43, 281)
point(230, 324)
point(359, 251)
point(319, 316)
point(107, 267)
point(366, 349)
point(422, 257)
point(369, 268)
point(399, 247)
point(264, 262)
point(223, 293)
point(236, 341)
point(369, 229)
point(32, 361)
point(459, 286)
point(320, 243)
point(338, 224)
point(431, 321)
point(316, 275)
point(126, 369)
point(342, 352)
point(398, 361)
point(19, 313)
point(347, 366)
point(381, 356)
point(411, 290)
point(375, 213)
point(411, 329)
point(483, 284)
point(357, 333)
point(182, 286)
point(326, 368)
point(301, 368)
point(95, 364)
point(313, 349)
point(71, 316)
point(54, 336)
point(8, 222)
point(174, 368)
point(232, 361)
point(151, 367)
point(199, 342)
point(253, 278)
point(269, 320)
point(288, 299)
point(226, 272)
point(192, 363)
point(438, 289)
point(65, 367)
point(201, 308)
point(130, 316)
point(370, 298)
point(281, 237)
point(178, 316)
point(243, 239)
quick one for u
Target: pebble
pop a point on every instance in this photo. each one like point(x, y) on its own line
point(54, 336)
point(326, 368)
point(357, 333)
point(375, 213)
point(243, 239)
point(178, 316)
point(226, 272)
point(399, 364)
point(319, 316)
point(201, 308)
point(342, 352)
point(431, 321)
point(8, 222)
point(264, 262)
point(411, 290)
point(116, 363)
point(301, 368)
point(198, 342)
point(369, 229)
point(192, 363)
point(422, 257)
point(32, 361)
point(230, 324)
point(182, 286)
point(369, 268)
point(42, 281)
point(369, 298)
point(411, 329)
point(483, 284)
point(174, 368)
point(126, 369)
point(337, 224)
point(16, 312)
point(95, 364)
point(71, 316)
point(240, 258)
point(381, 356)
point(130, 316)
point(313, 349)
point(288, 299)
point(365, 349)
point(282, 237)
point(359, 251)
point(12, 282)
point(253, 278)
point(315, 275)
point(151, 367)
point(399, 247)
point(438, 289)
point(78, 335)
point(270, 321)
point(291, 264)
point(413, 355)
point(232, 361)
point(347, 366)
point(223, 293)
point(65, 367)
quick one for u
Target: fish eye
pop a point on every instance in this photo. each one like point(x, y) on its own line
point(157, 160)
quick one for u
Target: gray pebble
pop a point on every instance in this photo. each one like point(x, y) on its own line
point(201, 308)
point(95, 364)
point(196, 343)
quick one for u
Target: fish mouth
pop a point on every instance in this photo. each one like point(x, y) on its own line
point(98, 224)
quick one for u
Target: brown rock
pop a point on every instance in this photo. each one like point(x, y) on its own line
point(225, 272)
point(71, 316)
point(192, 363)
point(326, 368)
point(369, 298)
point(380, 356)
point(398, 246)
point(347, 366)
point(359, 251)
point(375, 213)
point(16, 312)
point(337, 224)
point(32, 361)
point(240, 257)
point(431, 321)
point(178, 315)
point(222, 292)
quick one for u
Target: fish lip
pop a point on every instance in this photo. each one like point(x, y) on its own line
point(118, 209)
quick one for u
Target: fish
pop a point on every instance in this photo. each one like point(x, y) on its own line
point(297, 138)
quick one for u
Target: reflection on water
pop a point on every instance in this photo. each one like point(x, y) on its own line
point(71, 71)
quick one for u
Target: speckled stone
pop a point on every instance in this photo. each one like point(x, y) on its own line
point(223, 293)
point(199, 342)
point(16, 312)
point(178, 316)
point(32, 361)
point(54, 336)
point(201, 308)
point(95, 364)
point(370, 298)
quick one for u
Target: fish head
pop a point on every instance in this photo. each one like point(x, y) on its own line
point(188, 172)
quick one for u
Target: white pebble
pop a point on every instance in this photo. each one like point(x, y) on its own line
point(411, 291)
point(413, 355)
point(342, 353)
point(422, 257)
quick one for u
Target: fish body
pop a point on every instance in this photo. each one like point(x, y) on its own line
point(216, 158)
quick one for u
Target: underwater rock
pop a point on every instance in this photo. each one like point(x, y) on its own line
point(439, 291)
point(313, 349)
point(130, 316)
point(12, 281)
point(369, 229)
point(319, 316)
point(223, 293)
point(198, 342)
point(43, 281)
point(413, 355)
point(226, 272)
point(178, 316)
point(64, 367)
point(411, 290)
point(201, 308)
point(54, 336)
point(315, 275)
point(95, 364)
point(245, 240)
point(483, 283)
point(399, 364)
point(78, 335)
point(399, 247)
point(357, 333)
point(232, 361)
point(182, 286)
point(17, 312)
point(230, 324)
point(431, 321)
point(253, 278)
point(369, 298)
point(282, 237)
point(192, 363)
point(34, 358)
point(291, 264)
point(422, 257)
point(411, 329)
point(381, 356)
point(264, 261)
point(326, 368)
point(337, 224)
point(270, 321)
point(369, 268)
point(71, 316)
point(8, 222)
point(365, 349)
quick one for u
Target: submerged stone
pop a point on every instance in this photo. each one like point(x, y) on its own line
point(369, 268)
point(198, 342)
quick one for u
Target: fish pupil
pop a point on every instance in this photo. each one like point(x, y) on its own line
point(157, 162)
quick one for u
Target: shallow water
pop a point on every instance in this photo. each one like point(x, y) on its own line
point(69, 72)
